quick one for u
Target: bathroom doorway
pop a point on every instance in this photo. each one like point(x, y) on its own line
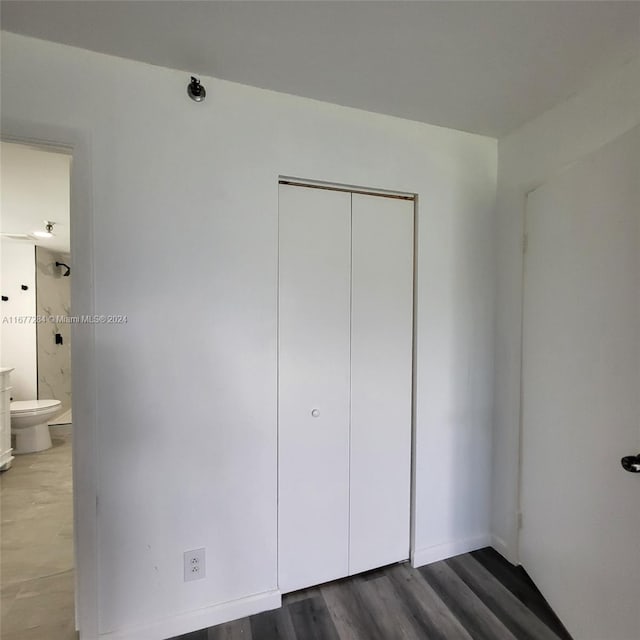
point(37, 572)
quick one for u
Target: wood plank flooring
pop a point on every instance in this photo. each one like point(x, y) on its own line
point(474, 596)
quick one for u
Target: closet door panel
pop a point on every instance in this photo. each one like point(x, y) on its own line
point(313, 376)
point(381, 380)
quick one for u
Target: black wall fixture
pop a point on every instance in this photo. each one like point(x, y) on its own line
point(5, 298)
point(24, 287)
point(68, 268)
point(195, 90)
point(631, 463)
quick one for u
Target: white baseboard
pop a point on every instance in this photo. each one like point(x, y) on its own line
point(504, 550)
point(500, 546)
point(199, 619)
point(427, 555)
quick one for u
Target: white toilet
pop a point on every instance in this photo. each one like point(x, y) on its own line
point(30, 424)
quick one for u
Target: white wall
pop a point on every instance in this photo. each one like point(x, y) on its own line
point(184, 215)
point(19, 336)
point(599, 113)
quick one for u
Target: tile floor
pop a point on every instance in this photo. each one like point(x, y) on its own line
point(36, 549)
point(63, 418)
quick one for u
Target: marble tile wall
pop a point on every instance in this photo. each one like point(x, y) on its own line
point(53, 298)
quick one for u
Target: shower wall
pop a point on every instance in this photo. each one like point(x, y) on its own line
point(53, 301)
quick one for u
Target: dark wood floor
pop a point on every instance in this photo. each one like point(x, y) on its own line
point(474, 596)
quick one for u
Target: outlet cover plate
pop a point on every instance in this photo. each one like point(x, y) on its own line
point(194, 565)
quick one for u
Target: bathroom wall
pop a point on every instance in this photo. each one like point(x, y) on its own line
point(53, 300)
point(17, 317)
point(181, 203)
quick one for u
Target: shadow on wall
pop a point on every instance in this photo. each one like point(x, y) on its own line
point(53, 302)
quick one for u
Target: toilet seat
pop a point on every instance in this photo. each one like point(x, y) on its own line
point(32, 407)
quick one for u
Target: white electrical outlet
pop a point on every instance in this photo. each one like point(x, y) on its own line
point(194, 565)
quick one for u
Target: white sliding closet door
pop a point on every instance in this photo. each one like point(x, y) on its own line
point(381, 380)
point(314, 327)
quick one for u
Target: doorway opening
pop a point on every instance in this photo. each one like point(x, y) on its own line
point(37, 572)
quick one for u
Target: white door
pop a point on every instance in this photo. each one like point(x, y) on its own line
point(381, 361)
point(313, 386)
point(345, 378)
point(580, 539)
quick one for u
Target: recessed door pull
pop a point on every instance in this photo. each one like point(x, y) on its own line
point(631, 463)
point(315, 413)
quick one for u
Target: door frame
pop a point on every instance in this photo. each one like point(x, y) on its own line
point(518, 514)
point(523, 275)
point(77, 143)
point(403, 195)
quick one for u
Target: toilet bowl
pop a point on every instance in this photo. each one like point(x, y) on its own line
point(30, 424)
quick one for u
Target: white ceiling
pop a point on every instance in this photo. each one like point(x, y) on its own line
point(35, 188)
point(485, 67)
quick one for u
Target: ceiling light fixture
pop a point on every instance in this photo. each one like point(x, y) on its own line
point(48, 230)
